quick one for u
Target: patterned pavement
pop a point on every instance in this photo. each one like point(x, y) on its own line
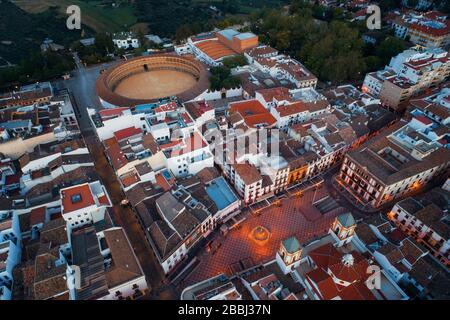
point(295, 217)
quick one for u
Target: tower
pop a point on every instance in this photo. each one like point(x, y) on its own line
point(289, 254)
point(343, 229)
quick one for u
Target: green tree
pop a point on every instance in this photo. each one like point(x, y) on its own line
point(389, 47)
point(235, 61)
point(221, 78)
point(103, 43)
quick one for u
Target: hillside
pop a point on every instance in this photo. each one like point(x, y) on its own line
point(22, 32)
point(162, 17)
point(94, 14)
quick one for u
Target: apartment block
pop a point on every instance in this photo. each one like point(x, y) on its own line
point(408, 74)
point(426, 223)
point(428, 29)
point(401, 160)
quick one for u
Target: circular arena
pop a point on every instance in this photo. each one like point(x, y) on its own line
point(148, 79)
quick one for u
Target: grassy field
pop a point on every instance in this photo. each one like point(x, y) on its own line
point(93, 14)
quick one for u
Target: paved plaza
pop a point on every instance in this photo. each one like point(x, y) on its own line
point(295, 217)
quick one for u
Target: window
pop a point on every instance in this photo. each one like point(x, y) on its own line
point(76, 198)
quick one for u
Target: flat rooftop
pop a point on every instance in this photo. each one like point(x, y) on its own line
point(220, 192)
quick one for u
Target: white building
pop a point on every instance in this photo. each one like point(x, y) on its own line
point(46, 169)
point(427, 224)
point(402, 159)
point(184, 222)
point(10, 256)
point(407, 74)
point(120, 276)
point(126, 40)
point(84, 204)
point(188, 155)
point(299, 112)
point(256, 177)
point(281, 67)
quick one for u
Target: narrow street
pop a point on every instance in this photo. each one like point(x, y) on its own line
point(122, 216)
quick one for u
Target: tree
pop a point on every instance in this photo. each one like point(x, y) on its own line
point(283, 40)
point(389, 47)
point(183, 32)
point(221, 78)
point(413, 3)
point(235, 61)
point(104, 44)
point(373, 63)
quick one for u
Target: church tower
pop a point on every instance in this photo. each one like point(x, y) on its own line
point(289, 255)
point(343, 229)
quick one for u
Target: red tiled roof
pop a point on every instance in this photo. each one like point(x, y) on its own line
point(248, 173)
point(325, 256)
point(103, 200)
point(261, 51)
point(291, 109)
point(13, 179)
point(170, 144)
point(84, 191)
point(424, 120)
point(186, 117)
point(353, 273)
point(215, 49)
point(198, 108)
point(129, 179)
point(431, 31)
point(108, 113)
point(357, 291)
point(253, 113)
point(115, 154)
point(279, 93)
point(325, 284)
point(37, 216)
point(127, 133)
point(162, 182)
point(171, 106)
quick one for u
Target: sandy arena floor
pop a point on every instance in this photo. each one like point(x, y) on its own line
point(155, 84)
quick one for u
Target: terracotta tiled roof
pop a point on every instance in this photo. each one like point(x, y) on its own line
point(109, 113)
point(37, 216)
point(215, 49)
point(125, 266)
point(253, 113)
point(85, 198)
point(247, 172)
point(278, 93)
point(127, 133)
